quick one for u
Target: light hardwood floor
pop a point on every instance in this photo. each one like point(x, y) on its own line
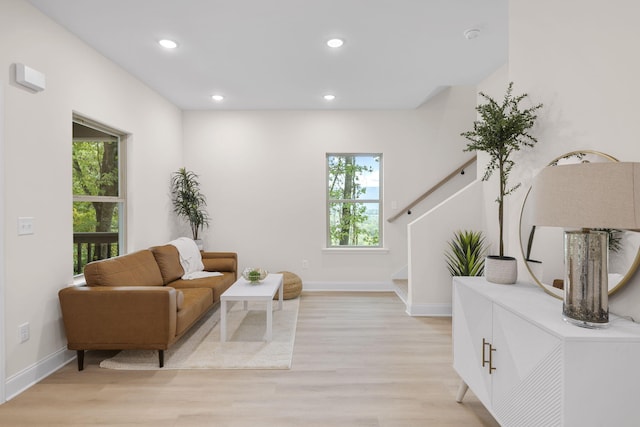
point(359, 360)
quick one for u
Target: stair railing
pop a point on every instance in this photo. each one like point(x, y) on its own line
point(443, 181)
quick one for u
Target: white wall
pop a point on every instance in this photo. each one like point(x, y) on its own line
point(580, 59)
point(429, 278)
point(264, 176)
point(2, 250)
point(37, 137)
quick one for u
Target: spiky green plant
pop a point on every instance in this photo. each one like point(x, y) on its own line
point(615, 238)
point(466, 253)
point(188, 202)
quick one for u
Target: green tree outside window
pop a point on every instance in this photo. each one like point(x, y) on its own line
point(354, 200)
point(96, 194)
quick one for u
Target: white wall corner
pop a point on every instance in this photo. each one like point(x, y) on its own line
point(3, 354)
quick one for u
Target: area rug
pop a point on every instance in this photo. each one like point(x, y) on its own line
point(201, 348)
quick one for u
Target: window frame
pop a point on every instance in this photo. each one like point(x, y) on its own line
point(121, 199)
point(329, 201)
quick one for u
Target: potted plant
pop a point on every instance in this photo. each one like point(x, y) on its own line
point(466, 253)
point(502, 129)
point(189, 202)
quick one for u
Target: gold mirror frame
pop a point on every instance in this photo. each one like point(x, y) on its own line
point(548, 288)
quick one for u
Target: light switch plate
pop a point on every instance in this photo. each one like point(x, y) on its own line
point(25, 225)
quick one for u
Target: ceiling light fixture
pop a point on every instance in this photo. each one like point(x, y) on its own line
point(471, 33)
point(335, 43)
point(169, 44)
point(329, 97)
point(217, 98)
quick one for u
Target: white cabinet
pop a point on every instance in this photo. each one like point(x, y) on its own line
point(530, 368)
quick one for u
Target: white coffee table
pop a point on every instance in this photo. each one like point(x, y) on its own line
point(244, 291)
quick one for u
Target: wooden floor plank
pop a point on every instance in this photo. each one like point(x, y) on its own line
point(359, 360)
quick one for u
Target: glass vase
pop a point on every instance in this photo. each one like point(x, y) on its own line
point(586, 289)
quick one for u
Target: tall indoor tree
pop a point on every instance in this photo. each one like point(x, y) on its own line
point(502, 129)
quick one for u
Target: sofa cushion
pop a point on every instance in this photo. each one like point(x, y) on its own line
point(196, 302)
point(218, 284)
point(168, 260)
point(134, 269)
point(219, 264)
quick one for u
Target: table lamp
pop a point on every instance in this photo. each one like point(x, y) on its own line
point(587, 197)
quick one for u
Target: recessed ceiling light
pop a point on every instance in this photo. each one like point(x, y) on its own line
point(169, 44)
point(335, 42)
point(329, 97)
point(217, 98)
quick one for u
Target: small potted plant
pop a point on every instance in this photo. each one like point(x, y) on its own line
point(502, 129)
point(466, 253)
point(188, 201)
point(254, 275)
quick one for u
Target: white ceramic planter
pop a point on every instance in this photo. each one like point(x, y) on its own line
point(503, 270)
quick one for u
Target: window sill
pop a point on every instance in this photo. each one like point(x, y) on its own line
point(371, 251)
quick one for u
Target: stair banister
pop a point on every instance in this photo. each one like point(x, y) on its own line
point(427, 193)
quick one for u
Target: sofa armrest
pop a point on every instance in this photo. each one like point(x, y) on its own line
point(221, 261)
point(101, 317)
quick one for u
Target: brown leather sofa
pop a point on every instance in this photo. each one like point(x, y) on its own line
point(139, 301)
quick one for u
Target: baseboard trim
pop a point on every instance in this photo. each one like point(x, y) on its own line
point(431, 310)
point(29, 376)
point(348, 286)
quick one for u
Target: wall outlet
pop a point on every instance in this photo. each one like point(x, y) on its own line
point(305, 263)
point(23, 332)
point(25, 225)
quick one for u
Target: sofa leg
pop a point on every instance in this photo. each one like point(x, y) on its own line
point(161, 358)
point(80, 356)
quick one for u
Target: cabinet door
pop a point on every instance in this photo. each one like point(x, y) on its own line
point(472, 315)
point(527, 383)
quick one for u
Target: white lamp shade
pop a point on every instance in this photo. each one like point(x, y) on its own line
point(588, 195)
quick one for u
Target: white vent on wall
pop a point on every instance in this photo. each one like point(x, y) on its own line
point(28, 77)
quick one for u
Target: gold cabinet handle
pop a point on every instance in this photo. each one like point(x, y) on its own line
point(486, 343)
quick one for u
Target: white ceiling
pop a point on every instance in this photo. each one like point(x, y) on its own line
point(271, 54)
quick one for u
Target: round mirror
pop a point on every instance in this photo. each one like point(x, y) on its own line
point(543, 247)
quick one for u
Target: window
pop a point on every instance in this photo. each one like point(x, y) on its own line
point(354, 198)
point(98, 196)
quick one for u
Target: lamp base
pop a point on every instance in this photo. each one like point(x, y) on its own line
point(586, 284)
point(578, 321)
